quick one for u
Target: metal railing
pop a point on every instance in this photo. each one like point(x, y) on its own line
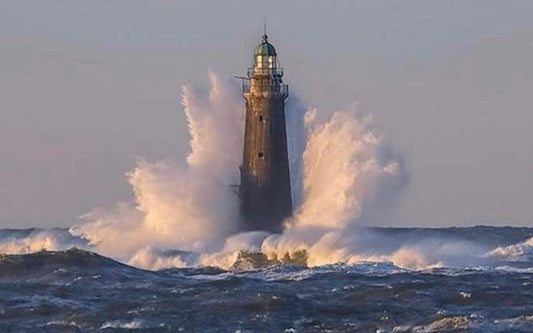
point(265, 71)
point(279, 89)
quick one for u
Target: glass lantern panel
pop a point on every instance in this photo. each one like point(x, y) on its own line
point(259, 61)
point(271, 61)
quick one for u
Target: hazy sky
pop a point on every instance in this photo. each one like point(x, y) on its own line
point(87, 86)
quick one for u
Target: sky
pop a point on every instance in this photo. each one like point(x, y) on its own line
point(88, 87)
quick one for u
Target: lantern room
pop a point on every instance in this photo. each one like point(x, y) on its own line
point(265, 55)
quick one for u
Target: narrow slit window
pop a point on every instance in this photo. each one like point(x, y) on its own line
point(261, 118)
point(260, 155)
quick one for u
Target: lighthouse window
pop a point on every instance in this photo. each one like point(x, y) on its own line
point(271, 62)
point(261, 118)
point(260, 155)
point(259, 61)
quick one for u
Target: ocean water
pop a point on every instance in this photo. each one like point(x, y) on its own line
point(77, 290)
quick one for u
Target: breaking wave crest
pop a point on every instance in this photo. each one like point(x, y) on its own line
point(34, 240)
point(191, 208)
point(517, 252)
point(405, 248)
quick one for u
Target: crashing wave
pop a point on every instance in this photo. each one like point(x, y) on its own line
point(517, 252)
point(22, 241)
point(345, 176)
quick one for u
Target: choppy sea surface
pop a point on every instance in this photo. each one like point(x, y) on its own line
point(80, 291)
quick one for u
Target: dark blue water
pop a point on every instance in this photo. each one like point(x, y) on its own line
point(80, 291)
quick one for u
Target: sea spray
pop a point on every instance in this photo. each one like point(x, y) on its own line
point(340, 168)
point(337, 167)
point(343, 168)
point(13, 241)
point(192, 208)
point(516, 252)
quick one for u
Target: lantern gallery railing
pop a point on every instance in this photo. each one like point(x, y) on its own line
point(265, 71)
point(281, 89)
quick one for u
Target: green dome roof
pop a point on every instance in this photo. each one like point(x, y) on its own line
point(265, 48)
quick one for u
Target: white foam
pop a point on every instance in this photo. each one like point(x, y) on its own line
point(37, 240)
point(192, 208)
point(149, 258)
point(133, 324)
point(515, 252)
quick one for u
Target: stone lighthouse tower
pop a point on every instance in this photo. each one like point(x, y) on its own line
point(265, 189)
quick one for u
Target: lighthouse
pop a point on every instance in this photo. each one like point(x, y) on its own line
point(265, 189)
